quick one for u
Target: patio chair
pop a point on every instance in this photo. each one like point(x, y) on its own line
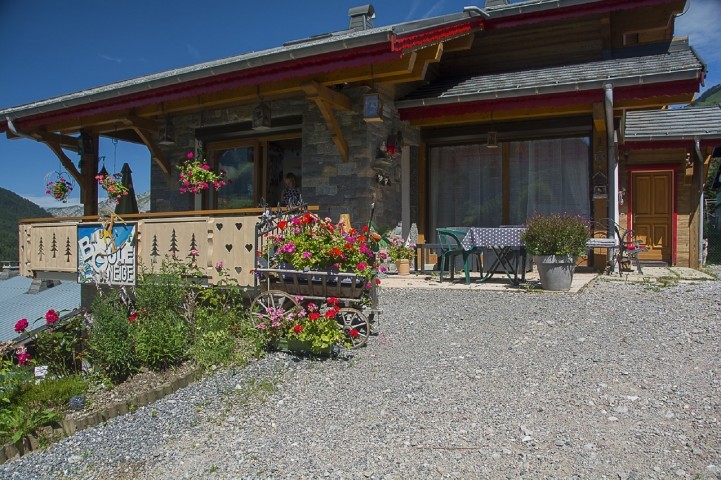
point(450, 246)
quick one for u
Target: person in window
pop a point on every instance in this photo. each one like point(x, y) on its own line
point(291, 194)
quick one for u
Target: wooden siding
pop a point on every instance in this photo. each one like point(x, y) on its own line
point(528, 47)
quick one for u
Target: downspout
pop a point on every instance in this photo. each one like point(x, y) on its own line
point(612, 171)
point(701, 184)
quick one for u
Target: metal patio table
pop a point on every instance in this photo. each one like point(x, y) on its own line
point(502, 241)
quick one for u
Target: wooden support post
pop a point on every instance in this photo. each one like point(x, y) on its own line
point(88, 170)
point(327, 101)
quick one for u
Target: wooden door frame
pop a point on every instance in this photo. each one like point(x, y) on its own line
point(630, 170)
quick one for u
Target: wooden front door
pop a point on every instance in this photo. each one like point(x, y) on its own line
point(652, 213)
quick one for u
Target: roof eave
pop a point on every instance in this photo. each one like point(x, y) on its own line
point(551, 89)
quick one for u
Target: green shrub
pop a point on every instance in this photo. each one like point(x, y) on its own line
point(54, 392)
point(161, 340)
point(61, 348)
point(16, 422)
point(161, 291)
point(557, 234)
point(214, 348)
point(14, 380)
point(110, 341)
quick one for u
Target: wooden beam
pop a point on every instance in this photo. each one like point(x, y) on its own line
point(334, 128)
point(459, 44)
point(140, 122)
point(316, 91)
point(501, 115)
point(64, 160)
point(155, 152)
point(419, 66)
point(599, 117)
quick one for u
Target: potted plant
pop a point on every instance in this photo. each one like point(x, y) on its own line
point(304, 328)
point(59, 188)
point(402, 255)
point(196, 175)
point(556, 241)
point(308, 243)
point(112, 185)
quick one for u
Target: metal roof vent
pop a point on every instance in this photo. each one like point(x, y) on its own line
point(361, 18)
point(496, 3)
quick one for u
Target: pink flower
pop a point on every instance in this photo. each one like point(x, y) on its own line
point(306, 255)
point(362, 266)
point(194, 253)
point(21, 325)
point(23, 359)
point(219, 266)
point(261, 326)
point(51, 316)
point(190, 155)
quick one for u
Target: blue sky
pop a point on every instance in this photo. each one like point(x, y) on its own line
point(50, 48)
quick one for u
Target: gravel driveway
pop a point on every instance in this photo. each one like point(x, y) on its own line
point(616, 382)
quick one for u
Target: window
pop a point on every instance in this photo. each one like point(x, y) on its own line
point(256, 169)
point(545, 176)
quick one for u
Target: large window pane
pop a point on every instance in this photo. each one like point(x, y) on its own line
point(238, 163)
point(466, 186)
point(549, 176)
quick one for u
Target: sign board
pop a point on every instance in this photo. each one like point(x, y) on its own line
point(106, 253)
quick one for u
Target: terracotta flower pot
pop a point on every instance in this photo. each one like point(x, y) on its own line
point(404, 266)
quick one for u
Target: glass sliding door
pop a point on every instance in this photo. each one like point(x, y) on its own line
point(548, 176)
point(540, 176)
point(466, 186)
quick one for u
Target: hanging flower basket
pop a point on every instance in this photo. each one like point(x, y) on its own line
point(58, 186)
point(196, 175)
point(112, 185)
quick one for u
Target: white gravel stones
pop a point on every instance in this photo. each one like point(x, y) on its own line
point(459, 384)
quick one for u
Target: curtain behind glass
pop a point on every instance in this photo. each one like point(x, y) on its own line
point(466, 187)
point(549, 176)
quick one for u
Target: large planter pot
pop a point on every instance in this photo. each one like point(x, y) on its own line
point(556, 271)
point(404, 266)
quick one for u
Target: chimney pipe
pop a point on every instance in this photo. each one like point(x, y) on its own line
point(361, 18)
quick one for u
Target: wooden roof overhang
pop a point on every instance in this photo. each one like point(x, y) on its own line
point(395, 58)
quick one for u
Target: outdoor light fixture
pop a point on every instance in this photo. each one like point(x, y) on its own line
point(492, 139)
point(165, 134)
point(261, 116)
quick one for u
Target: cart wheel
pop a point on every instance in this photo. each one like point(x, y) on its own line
point(272, 299)
point(352, 319)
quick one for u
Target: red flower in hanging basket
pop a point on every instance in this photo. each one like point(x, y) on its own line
point(59, 189)
point(112, 185)
point(196, 175)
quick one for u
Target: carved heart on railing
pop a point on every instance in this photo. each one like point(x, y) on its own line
point(248, 247)
point(238, 269)
point(229, 246)
point(238, 225)
point(219, 226)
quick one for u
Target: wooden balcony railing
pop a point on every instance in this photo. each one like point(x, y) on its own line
point(49, 246)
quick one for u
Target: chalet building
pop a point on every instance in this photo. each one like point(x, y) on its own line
point(479, 118)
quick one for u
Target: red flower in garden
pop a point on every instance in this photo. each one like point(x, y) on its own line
point(21, 325)
point(23, 359)
point(52, 316)
point(297, 329)
point(282, 224)
point(133, 316)
point(353, 333)
point(313, 316)
point(365, 229)
point(378, 281)
point(332, 301)
point(330, 313)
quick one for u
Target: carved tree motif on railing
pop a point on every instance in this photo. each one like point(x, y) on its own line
point(154, 250)
point(68, 251)
point(54, 245)
point(173, 244)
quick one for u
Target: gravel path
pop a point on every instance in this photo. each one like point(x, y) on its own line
point(617, 382)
